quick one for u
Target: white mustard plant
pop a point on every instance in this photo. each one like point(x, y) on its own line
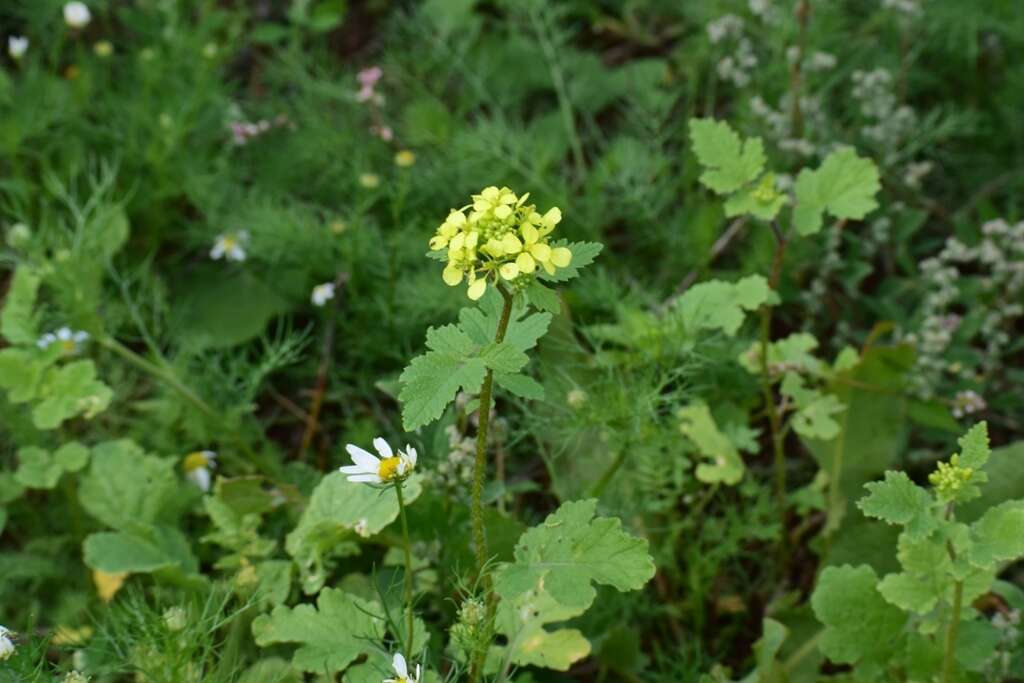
point(17, 46)
point(230, 246)
point(70, 341)
point(198, 467)
point(77, 15)
point(6, 644)
point(401, 668)
point(389, 467)
point(322, 294)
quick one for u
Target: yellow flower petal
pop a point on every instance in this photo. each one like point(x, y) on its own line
point(561, 257)
point(549, 267)
point(457, 242)
point(477, 289)
point(541, 252)
point(438, 242)
point(456, 218)
point(530, 234)
point(472, 239)
point(494, 247)
point(502, 212)
point(491, 193)
point(509, 271)
point(526, 263)
point(553, 217)
point(107, 585)
point(511, 244)
point(405, 158)
point(452, 275)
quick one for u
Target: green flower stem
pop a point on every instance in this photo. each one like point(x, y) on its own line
point(479, 469)
point(165, 374)
point(796, 116)
point(480, 463)
point(408, 565)
point(951, 632)
point(772, 410)
point(597, 490)
point(949, 656)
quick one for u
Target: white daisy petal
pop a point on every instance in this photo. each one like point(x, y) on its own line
point(399, 664)
point(364, 478)
point(201, 478)
point(367, 461)
point(383, 447)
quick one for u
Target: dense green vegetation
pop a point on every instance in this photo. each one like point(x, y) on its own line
point(512, 340)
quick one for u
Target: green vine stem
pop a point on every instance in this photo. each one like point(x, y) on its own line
point(408, 566)
point(771, 409)
point(480, 463)
point(949, 656)
point(479, 470)
point(951, 633)
point(165, 374)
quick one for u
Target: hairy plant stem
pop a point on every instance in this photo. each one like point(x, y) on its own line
point(948, 661)
point(479, 470)
point(796, 116)
point(598, 488)
point(408, 566)
point(162, 373)
point(165, 374)
point(949, 655)
point(767, 394)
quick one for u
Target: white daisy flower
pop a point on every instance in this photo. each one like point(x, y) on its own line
point(199, 468)
point(322, 293)
point(6, 644)
point(362, 527)
point(373, 470)
point(69, 340)
point(16, 46)
point(402, 670)
point(230, 245)
point(77, 15)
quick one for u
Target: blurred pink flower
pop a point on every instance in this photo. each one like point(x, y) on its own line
point(383, 132)
point(368, 77)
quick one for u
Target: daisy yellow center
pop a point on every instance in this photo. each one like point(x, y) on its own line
point(388, 468)
point(228, 242)
point(194, 461)
point(68, 345)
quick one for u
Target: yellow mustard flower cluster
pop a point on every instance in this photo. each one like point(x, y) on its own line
point(498, 235)
point(950, 477)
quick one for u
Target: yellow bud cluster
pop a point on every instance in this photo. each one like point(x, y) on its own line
point(950, 477)
point(498, 235)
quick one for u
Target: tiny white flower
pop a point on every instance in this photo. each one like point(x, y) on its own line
point(362, 527)
point(77, 15)
point(370, 469)
point(402, 670)
point(322, 293)
point(230, 245)
point(69, 340)
point(6, 644)
point(199, 468)
point(16, 46)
